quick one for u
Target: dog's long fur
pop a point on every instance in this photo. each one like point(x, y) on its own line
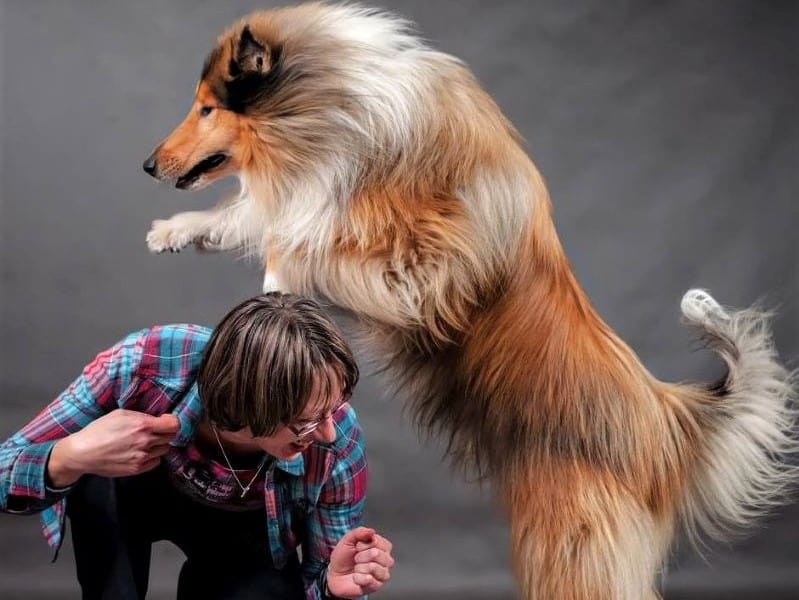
point(376, 172)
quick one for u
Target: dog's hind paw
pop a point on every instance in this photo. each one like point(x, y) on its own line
point(164, 235)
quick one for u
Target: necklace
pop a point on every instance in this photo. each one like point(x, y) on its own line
point(244, 488)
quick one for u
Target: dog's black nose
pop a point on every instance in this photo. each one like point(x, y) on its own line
point(149, 165)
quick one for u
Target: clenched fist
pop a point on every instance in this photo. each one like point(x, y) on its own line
point(359, 564)
point(121, 443)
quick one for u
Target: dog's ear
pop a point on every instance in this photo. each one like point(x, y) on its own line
point(251, 56)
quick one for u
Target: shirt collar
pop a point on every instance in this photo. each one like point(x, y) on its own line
point(188, 411)
point(293, 466)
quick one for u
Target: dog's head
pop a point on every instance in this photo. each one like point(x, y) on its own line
point(211, 141)
point(299, 91)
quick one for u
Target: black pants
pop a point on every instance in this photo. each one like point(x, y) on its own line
point(115, 521)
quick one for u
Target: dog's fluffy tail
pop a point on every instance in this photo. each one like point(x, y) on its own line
point(748, 422)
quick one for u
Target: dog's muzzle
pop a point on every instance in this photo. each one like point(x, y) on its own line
point(187, 179)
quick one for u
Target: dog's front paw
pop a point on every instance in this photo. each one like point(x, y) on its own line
point(166, 235)
point(213, 241)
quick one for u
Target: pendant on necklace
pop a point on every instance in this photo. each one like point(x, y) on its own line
point(244, 491)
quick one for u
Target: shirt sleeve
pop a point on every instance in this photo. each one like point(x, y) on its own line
point(24, 456)
point(338, 510)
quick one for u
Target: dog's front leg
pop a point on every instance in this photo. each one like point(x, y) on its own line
point(179, 231)
point(229, 226)
point(271, 282)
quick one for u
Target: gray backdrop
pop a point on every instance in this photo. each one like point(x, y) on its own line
point(667, 132)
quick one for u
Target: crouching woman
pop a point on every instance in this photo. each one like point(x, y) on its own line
point(238, 445)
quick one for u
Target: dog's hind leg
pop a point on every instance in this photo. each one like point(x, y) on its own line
point(579, 535)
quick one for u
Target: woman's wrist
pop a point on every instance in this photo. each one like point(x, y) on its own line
point(60, 471)
point(326, 593)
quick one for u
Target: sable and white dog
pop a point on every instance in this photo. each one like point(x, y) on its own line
point(376, 172)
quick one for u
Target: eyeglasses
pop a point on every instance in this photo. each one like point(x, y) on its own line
point(307, 429)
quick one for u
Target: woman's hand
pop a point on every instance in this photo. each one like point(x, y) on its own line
point(122, 442)
point(359, 564)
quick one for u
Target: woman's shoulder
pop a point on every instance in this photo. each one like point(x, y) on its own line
point(172, 350)
point(346, 422)
point(349, 444)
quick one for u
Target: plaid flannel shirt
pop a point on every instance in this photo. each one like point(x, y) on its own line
point(313, 501)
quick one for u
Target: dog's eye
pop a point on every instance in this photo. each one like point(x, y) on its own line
point(206, 110)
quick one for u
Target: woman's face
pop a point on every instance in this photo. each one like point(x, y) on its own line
point(284, 444)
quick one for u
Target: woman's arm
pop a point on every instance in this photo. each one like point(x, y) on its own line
point(74, 434)
point(341, 559)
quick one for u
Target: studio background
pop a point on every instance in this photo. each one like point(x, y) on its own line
point(667, 133)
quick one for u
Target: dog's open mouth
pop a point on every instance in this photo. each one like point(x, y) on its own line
point(205, 165)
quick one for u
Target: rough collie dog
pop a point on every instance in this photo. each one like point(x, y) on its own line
point(377, 173)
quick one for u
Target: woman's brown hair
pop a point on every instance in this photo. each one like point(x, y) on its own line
point(263, 358)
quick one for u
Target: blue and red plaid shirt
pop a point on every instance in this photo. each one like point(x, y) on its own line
point(154, 371)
